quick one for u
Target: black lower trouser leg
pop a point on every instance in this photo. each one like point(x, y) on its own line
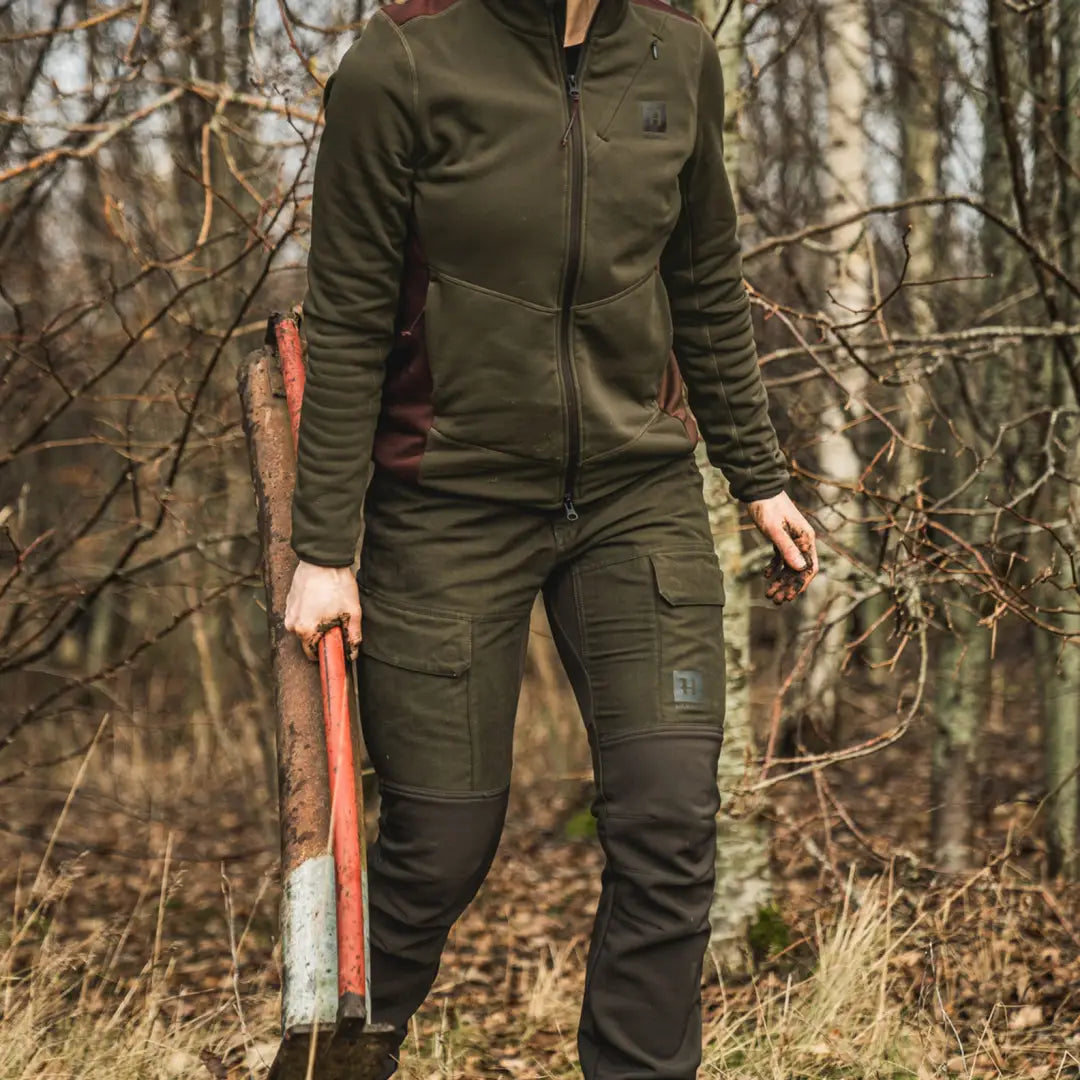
point(641, 637)
point(641, 1015)
point(429, 860)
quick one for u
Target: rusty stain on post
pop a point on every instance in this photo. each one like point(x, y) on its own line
point(302, 777)
point(303, 784)
point(344, 1049)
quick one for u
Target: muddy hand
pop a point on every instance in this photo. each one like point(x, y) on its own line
point(320, 598)
point(794, 563)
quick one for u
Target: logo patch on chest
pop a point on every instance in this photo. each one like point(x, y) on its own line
point(654, 117)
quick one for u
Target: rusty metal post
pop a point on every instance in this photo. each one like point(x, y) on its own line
point(316, 1043)
point(308, 922)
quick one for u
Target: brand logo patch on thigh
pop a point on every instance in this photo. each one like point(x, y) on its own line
point(689, 687)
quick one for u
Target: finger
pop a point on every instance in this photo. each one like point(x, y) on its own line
point(804, 536)
point(353, 634)
point(813, 571)
point(775, 564)
point(313, 639)
point(326, 626)
point(790, 552)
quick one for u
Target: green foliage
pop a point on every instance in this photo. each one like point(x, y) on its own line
point(768, 934)
point(580, 826)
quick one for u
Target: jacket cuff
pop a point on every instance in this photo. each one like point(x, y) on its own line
point(765, 491)
point(315, 559)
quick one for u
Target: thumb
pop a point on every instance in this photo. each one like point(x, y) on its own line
point(791, 554)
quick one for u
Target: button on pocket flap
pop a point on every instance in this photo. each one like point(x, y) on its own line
point(415, 640)
point(689, 577)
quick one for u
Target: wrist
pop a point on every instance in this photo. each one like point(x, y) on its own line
point(764, 496)
point(344, 573)
point(328, 563)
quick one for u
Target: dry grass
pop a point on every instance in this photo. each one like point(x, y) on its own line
point(66, 1014)
point(182, 983)
point(842, 1020)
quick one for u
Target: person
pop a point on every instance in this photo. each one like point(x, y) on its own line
point(523, 265)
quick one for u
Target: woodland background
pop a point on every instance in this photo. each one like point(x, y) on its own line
point(898, 850)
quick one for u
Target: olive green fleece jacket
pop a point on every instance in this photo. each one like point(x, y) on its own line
point(518, 275)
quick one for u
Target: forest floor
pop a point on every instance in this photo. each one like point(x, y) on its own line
point(141, 944)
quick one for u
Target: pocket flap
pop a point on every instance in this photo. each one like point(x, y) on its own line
point(414, 640)
point(689, 577)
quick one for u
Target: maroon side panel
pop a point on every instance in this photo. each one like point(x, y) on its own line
point(402, 13)
point(671, 397)
point(407, 409)
point(662, 5)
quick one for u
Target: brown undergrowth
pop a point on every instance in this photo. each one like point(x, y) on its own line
point(969, 981)
point(140, 912)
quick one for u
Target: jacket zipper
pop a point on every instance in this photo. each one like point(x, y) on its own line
point(572, 136)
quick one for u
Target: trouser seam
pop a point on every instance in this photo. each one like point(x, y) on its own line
point(473, 749)
point(553, 616)
point(601, 931)
point(689, 730)
point(658, 644)
point(583, 659)
point(432, 795)
point(394, 600)
point(674, 549)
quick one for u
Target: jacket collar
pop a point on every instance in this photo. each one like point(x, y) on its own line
point(535, 16)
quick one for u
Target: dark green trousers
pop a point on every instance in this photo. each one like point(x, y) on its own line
point(635, 601)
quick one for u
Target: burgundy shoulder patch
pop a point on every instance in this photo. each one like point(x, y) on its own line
point(410, 9)
point(663, 5)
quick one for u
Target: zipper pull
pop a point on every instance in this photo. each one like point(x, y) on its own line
point(655, 49)
point(568, 507)
point(574, 92)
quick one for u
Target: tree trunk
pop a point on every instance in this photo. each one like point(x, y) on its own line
point(960, 707)
point(1058, 666)
point(961, 654)
point(1062, 725)
point(743, 879)
point(1051, 89)
point(846, 44)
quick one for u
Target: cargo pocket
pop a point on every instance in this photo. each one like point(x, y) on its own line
point(690, 632)
point(414, 697)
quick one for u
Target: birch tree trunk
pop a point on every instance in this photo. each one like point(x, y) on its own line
point(846, 44)
point(1060, 663)
point(962, 655)
point(743, 879)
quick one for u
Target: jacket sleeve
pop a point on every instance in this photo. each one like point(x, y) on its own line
point(359, 219)
point(713, 335)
